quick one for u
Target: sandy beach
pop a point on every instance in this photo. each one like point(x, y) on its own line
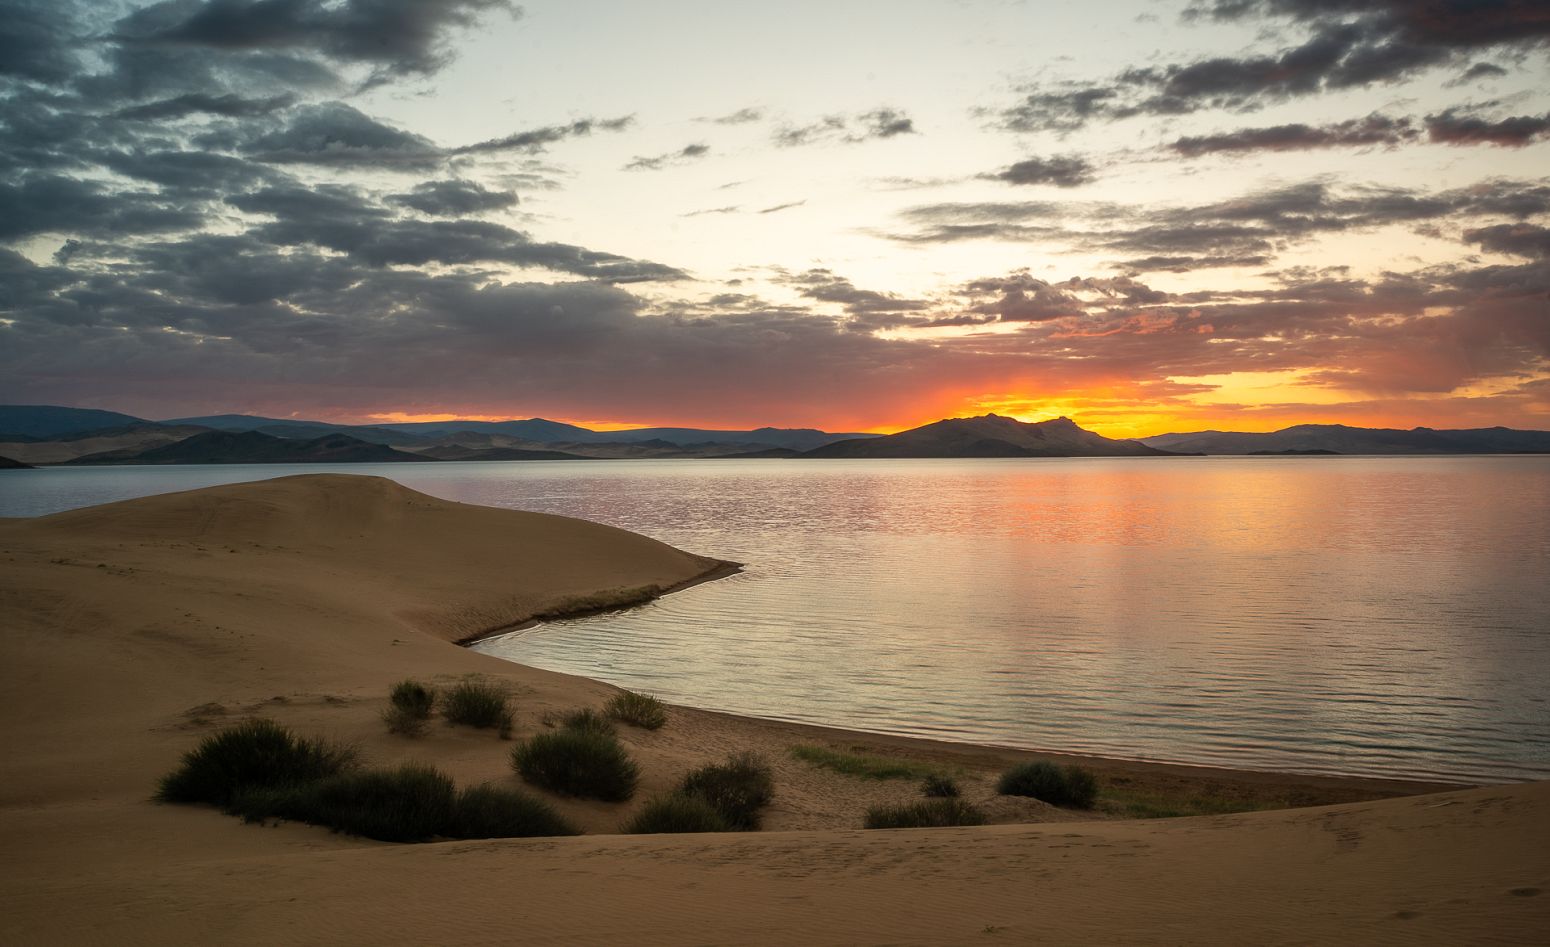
point(133, 629)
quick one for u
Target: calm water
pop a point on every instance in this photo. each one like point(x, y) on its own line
point(1346, 615)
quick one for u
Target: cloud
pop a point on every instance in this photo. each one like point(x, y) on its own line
point(780, 207)
point(879, 123)
point(742, 116)
point(535, 140)
point(825, 286)
point(1521, 239)
point(1058, 170)
point(1348, 44)
point(394, 37)
point(454, 198)
point(1373, 130)
point(684, 155)
point(229, 105)
point(337, 134)
point(1459, 126)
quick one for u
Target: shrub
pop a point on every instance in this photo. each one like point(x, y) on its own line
point(577, 763)
point(587, 721)
point(737, 789)
point(933, 813)
point(637, 710)
point(409, 804)
point(497, 812)
point(939, 787)
point(677, 813)
point(255, 754)
point(478, 704)
point(1056, 785)
point(413, 698)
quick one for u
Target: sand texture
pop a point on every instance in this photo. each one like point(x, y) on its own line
point(133, 629)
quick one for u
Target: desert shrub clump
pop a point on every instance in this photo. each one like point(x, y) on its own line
point(939, 786)
point(637, 710)
point(409, 804)
point(932, 813)
point(409, 708)
point(737, 789)
point(478, 704)
point(677, 813)
point(256, 754)
point(497, 812)
point(581, 763)
point(1057, 785)
point(587, 721)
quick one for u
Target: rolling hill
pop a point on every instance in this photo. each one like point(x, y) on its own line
point(989, 436)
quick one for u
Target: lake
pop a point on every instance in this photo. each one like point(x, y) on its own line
point(1349, 615)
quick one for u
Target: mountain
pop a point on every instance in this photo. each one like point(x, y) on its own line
point(128, 440)
point(7, 463)
point(49, 421)
point(454, 452)
point(544, 431)
point(251, 447)
point(1341, 439)
point(289, 427)
point(989, 436)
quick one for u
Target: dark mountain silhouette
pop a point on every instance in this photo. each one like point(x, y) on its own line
point(251, 447)
point(46, 421)
point(1340, 439)
point(990, 436)
point(7, 463)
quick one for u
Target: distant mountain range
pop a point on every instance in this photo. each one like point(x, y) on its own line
point(49, 434)
point(1340, 439)
point(990, 436)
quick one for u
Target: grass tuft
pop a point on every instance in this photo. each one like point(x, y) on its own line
point(253, 754)
point(637, 710)
point(677, 813)
point(580, 763)
point(932, 813)
point(497, 812)
point(409, 708)
point(939, 787)
point(737, 789)
point(588, 721)
point(863, 765)
point(1056, 785)
point(478, 704)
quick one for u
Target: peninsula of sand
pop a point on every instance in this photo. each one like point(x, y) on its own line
point(133, 630)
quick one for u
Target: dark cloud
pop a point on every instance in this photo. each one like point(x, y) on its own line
point(394, 37)
point(46, 203)
point(229, 105)
point(1480, 70)
point(825, 286)
point(780, 207)
point(1058, 170)
point(683, 155)
point(1021, 297)
point(853, 129)
point(39, 39)
point(1458, 126)
point(337, 134)
point(1349, 44)
point(454, 198)
point(1520, 239)
point(535, 140)
point(1373, 130)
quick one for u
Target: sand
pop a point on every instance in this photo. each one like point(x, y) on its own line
point(132, 629)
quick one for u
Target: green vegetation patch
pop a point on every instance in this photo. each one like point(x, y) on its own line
point(409, 708)
point(932, 813)
point(498, 812)
point(864, 765)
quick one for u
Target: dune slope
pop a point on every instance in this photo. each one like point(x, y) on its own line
point(134, 628)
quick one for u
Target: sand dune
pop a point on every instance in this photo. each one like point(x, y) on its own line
point(134, 628)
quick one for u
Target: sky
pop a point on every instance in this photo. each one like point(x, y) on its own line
point(860, 216)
